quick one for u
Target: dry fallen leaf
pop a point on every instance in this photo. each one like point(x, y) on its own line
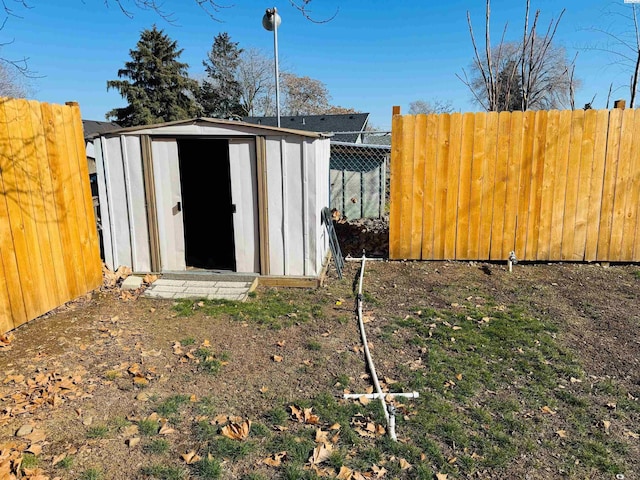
point(132, 442)
point(35, 449)
point(166, 430)
point(321, 453)
point(404, 465)
point(322, 436)
point(548, 410)
point(441, 476)
point(364, 400)
point(277, 358)
point(264, 389)
point(606, 424)
point(237, 431)
point(345, 473)
point(631, 434)
point(561, 433)
point(275, 460)
point(190, 457)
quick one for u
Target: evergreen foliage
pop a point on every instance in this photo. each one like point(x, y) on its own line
point(155, 83)
point(220, 93)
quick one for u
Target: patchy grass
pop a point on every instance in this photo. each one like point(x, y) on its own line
point(157, 446)
point(163, 472)
point(98, 431)
point(313, 345)
point(207, 468)
point(148, 427)
point(272, 309)
point(66, 463)
point(170, 405)
point(29, 461)
point(92, 474)
point(208, 362)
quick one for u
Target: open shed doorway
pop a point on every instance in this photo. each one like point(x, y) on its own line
point(205, 182)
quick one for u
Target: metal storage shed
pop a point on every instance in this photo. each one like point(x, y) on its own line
point(210, 194)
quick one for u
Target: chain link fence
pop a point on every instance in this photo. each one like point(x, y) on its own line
point(359, 174)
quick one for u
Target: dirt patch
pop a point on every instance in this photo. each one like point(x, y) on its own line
point(88, 377)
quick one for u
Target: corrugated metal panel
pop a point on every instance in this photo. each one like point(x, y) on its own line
point(105, 216)
point(293, 208)
point(117, 201)
point(322, 198)
point(275, 201)
point(141, 255)
point(242, 163)
point(310, 210)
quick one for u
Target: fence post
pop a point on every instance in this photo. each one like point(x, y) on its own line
point(619, 104)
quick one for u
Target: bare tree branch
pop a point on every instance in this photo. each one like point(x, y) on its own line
point(302, 5)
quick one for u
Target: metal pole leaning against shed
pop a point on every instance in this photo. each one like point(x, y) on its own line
point(271, 21)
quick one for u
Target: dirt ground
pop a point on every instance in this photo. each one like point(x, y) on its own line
point(82, 376)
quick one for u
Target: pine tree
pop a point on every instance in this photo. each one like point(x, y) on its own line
point(220, 92)
point(156, 86)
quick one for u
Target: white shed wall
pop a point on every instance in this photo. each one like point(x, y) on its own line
point(298, 189)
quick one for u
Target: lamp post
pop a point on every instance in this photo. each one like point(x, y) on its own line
point(271, 21)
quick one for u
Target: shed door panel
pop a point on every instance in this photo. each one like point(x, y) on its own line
point(169, 204)
point(242, 160)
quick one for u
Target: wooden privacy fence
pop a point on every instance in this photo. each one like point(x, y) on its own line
point(49, 251)
point(549, 185)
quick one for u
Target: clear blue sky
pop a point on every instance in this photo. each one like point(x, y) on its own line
point(374, 54)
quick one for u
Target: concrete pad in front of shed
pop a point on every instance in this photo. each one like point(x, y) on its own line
point(209, 289)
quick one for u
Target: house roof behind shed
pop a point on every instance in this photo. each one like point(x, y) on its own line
point(92, 127)
point(215, 121)
point(348, 122)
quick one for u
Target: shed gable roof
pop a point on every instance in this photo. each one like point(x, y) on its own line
point(202, 121)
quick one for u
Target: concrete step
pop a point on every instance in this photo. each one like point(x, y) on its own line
point(185, 286)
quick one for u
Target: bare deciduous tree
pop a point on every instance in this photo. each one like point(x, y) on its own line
point(304, 95)
point(12, 83)
point(622, 41)
point(256, 79)
point(532, 73)
point(425, 106)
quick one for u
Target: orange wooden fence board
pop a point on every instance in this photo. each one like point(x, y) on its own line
point(622, 186)
point(478, 158)
point(429, 186)
point(464, 187)
point(8, 239)
point(560, 185)
point(452, 186)
point(419, 132)
point(609, 184)
point(548, 185)
point(500, 194)
point(595, 189)
point(49, 252)
point(513, 184)
point(631, 211)
point(394, 187)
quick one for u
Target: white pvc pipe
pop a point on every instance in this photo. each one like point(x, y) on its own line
point(367, 353)
point(376, 395)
